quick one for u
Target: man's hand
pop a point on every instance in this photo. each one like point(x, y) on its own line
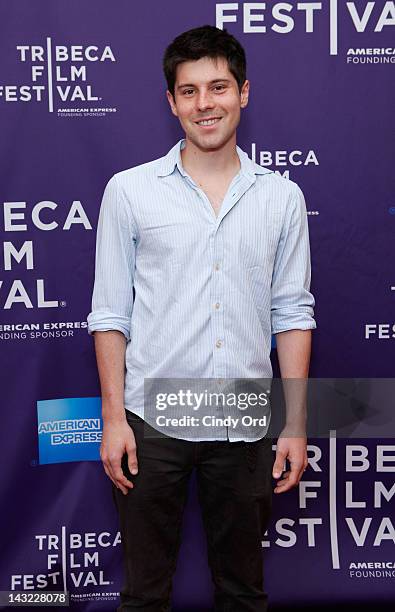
point(295, 450)
point(118, 438)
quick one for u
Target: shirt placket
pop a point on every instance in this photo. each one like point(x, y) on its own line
point(236, 190)
point(216, 287)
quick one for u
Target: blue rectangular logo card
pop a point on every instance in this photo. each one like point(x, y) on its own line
point(69, 429)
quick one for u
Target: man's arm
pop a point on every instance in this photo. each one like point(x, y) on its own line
point(292, 318)
point(109, 322)
point(293, 350)
point(118, 437)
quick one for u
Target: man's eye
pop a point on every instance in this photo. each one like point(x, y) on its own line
point(188, 91)
point(218, 87)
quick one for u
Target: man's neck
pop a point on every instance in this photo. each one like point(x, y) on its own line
point(222, 162)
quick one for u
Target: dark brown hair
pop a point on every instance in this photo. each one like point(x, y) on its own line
point(205, 41)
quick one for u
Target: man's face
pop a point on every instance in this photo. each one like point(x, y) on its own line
point(207, 102)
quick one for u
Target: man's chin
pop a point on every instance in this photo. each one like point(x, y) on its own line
point(209, 143)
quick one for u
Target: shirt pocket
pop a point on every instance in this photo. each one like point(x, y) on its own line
point(168, 246)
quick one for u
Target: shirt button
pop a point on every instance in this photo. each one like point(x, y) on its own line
point(218, 344)
point(217, 305)
point(216, 266)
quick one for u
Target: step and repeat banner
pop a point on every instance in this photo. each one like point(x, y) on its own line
point(82, 96)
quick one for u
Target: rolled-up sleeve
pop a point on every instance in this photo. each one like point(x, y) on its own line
point(292, 303)
point(112, 298)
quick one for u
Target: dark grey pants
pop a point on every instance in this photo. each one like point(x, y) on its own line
point(235, 494)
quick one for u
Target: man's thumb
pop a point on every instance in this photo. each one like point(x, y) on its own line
point(132, 464)
point(278, 467)
point(132, 461)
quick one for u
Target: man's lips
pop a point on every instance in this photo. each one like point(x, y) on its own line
point(208, 122)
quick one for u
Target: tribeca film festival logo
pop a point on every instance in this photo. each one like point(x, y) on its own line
point(73, 561)
point(59, 79)
point(362, 527)
point(283, 17)
point(283, 162)
point(69, 429)
point(27, 293)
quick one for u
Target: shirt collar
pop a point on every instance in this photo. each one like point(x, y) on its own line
point(173, 158)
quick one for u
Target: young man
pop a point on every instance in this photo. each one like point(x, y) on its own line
point(217, 250)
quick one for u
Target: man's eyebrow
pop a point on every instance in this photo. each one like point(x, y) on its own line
point(211, 83)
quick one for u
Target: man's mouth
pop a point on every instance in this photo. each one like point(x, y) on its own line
point(210, 121)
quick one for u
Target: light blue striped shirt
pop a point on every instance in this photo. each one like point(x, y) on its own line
point(209, 290)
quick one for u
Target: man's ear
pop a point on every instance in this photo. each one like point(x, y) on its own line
point(245, 90)
point(172, 103)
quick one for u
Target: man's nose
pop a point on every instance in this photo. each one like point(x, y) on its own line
point(205, 100)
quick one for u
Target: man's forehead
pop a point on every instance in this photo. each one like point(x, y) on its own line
point(206, 68)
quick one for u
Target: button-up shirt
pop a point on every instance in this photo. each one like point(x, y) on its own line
point(209, 290)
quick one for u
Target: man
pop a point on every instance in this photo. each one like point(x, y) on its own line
point(217, 250)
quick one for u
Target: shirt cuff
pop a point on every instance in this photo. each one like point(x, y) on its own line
point(286, 319)
point(107, 321)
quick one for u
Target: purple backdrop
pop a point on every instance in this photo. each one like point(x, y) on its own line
point(82, 97)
